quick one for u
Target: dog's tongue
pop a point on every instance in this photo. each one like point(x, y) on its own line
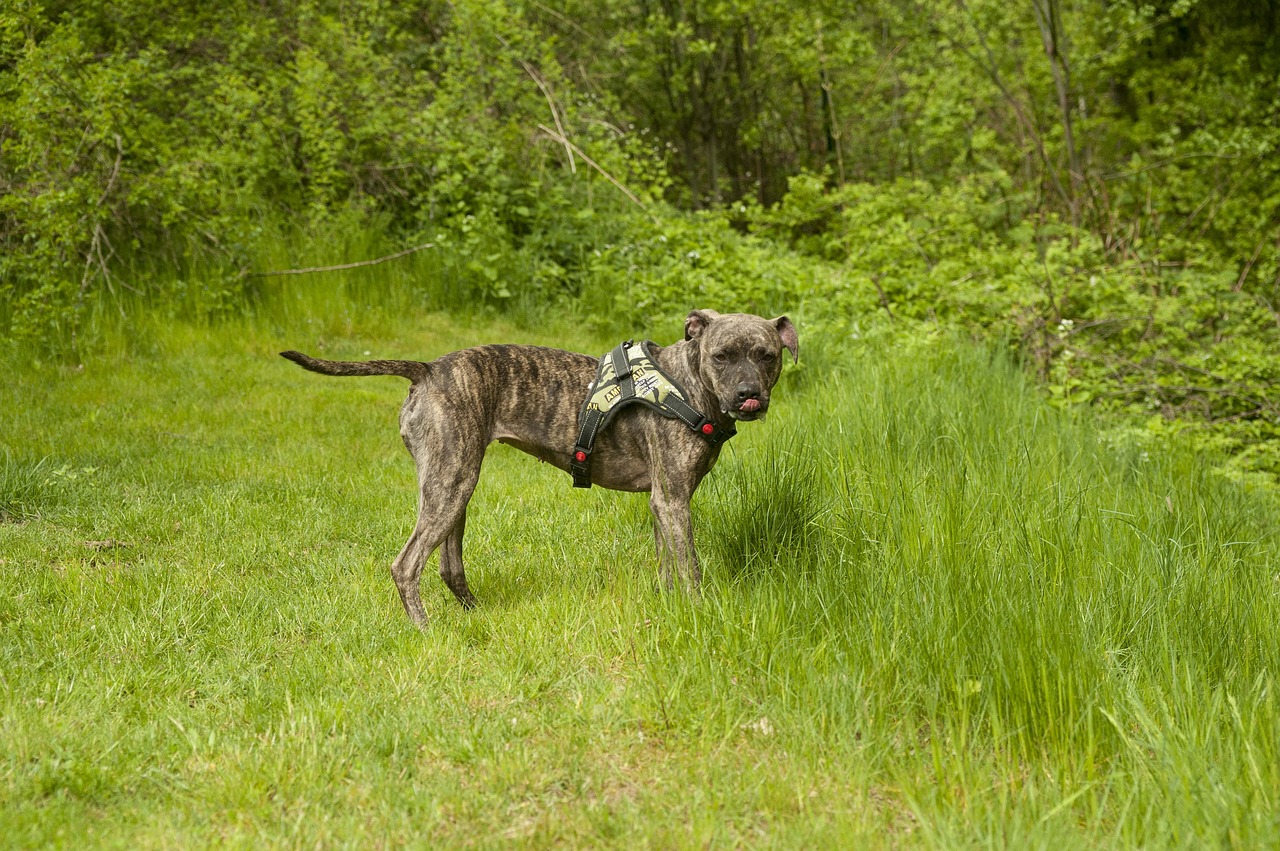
point(750, 406)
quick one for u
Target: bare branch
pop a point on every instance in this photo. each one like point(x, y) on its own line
point(1248, 267)
point(993, 72)
point(566, 21)
point(1118, 175)
point(555, 113)
point(551, 102)
point(340, 267)
point(115, 172)
point(884, 299)
point(609, 177)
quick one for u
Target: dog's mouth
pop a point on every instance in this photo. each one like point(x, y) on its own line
point(751, 409)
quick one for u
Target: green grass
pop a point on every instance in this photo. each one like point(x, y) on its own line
point(936, 613)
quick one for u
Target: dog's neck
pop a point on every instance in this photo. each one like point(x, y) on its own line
point(680, 361)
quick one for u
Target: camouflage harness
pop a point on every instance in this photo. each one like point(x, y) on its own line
point(625, 375)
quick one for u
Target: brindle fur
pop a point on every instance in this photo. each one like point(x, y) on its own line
point(529, 397)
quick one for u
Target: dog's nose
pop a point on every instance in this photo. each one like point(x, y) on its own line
point(747, 391)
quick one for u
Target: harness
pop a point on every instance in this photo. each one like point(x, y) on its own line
point(625, 376)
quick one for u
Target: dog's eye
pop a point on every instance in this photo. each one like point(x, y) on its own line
point(720, 357)
point(767, 355)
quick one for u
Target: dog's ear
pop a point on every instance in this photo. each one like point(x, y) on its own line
point(697, 321)
point(790, 339)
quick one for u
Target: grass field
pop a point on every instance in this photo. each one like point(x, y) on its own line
point(936, 614)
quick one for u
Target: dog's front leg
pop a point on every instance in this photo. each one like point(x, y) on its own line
point(673, 534)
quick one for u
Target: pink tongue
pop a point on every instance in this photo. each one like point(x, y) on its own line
point(750, 406)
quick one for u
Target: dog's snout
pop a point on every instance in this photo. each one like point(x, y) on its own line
point(747, 391)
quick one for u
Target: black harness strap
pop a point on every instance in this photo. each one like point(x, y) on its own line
point(580, 463)
point(622, 372)
point(609, 393)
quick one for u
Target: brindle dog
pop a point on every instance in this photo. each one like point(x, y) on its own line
point(530, 397)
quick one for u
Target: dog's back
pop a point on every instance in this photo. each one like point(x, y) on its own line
point(527, 396)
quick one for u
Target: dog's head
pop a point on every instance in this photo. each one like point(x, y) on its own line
point(739, 357)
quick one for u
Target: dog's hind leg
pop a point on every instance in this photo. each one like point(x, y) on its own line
point(439, 521)
point(451, 563)
point(442, 507)
point(407, 568)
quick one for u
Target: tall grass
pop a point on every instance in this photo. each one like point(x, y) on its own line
point(987, 573)
point(937, 613)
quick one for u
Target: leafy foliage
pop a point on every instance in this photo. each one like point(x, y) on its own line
point(1181, 343)
point(1060, 174)
point(144, 136)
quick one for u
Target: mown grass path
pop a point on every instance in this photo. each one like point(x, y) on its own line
point(936, 614)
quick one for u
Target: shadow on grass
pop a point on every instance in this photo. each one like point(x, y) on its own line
point(761, 513)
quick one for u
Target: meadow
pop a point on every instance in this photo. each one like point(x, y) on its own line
point(937, 613)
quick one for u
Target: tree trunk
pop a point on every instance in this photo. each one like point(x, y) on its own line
point(1049, 20)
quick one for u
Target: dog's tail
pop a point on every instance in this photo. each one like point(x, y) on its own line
point(413, 370)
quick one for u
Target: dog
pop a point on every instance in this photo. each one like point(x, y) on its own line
point(529, 397)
